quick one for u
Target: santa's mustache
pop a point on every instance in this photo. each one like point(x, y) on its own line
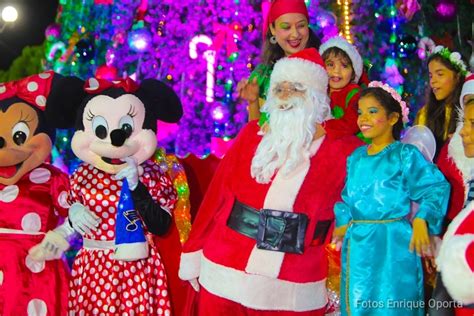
point(276, 104)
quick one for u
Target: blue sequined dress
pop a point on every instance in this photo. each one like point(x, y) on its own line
point(380, 276)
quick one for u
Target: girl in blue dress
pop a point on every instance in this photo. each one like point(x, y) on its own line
point(381, 265)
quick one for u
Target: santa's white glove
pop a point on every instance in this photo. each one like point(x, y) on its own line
point(131, 172)
point(53, 244)
point(83, 220)
point(195, 284)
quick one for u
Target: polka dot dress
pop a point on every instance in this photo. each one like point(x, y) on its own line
point(101, 285)
point(32, 205)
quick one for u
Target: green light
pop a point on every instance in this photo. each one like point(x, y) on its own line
point(233, 56)
point(393, 11)
point(393, 38)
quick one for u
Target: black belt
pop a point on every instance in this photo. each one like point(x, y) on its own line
point(275, 230)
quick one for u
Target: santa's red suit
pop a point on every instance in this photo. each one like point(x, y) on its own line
point(456, 257)
point(457, 169)
point(228, 264)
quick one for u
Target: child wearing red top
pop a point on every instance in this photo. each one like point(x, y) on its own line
point(344, 66)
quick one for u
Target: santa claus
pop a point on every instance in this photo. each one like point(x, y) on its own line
point(456, 257)
point(257, 246)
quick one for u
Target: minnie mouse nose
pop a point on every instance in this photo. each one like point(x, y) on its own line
point(118, 137)
point(2, 142)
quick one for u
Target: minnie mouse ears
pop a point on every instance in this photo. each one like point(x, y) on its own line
point(68, 101)
point(163, 102)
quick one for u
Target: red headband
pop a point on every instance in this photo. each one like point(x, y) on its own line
point(280, 7)
point(33, 89)
point(96, 86)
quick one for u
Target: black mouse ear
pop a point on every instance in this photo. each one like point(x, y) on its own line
point(160, 100)
point(64, 100)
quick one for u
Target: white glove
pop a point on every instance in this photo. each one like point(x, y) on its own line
point(195, 284)
point(130, 172)
point(83, 220)
point(53, 244)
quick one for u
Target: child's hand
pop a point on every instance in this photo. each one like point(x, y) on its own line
point(338, 236)
point(419, 239)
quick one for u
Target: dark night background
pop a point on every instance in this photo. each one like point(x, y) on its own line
point(33, 18)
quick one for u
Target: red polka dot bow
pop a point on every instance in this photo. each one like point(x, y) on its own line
point(33, 89)
point(96, 85)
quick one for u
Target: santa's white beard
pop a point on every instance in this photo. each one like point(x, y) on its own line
point(290, 134)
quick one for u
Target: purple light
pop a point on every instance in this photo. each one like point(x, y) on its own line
point(446, 9)
point(139, 40)
point(220, 113)
point(323, 22)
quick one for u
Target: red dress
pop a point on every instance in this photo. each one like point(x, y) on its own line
point(28, 210)
point(100, 284)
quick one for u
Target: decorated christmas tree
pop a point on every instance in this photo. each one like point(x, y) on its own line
point(202, 48)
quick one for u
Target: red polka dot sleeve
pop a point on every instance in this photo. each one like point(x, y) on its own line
point(59, 191)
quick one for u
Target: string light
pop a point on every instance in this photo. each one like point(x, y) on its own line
point(346, 28)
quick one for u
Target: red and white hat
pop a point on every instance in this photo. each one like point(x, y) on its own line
point(305, 67)
point(467, 88)
point(349, 49)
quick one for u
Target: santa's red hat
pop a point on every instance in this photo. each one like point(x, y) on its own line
point(305, 67)
point(467, 88)
point(280, 7)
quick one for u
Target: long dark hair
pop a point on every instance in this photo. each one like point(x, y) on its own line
point(436, 109)
point(389, 104)
point(273, 52)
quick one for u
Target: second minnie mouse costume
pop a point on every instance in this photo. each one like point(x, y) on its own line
point(115, 137)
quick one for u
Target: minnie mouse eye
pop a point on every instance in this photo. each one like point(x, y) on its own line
point(100, 127)
point(126, 124)
point(20, 133)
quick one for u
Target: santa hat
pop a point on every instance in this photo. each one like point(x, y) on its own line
point(349, 49)
point(280, 7)
point(305, 67)
point(467, 88)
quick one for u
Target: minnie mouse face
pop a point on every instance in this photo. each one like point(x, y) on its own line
point(21, 148)
point(113, 130)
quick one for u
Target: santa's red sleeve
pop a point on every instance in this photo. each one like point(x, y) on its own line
point(344, 110)
point(456, 257)
point(218, 192)
point(447, 166)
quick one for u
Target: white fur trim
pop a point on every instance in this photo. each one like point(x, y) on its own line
point(190, 265)
point(349, 49)
point(260, 292)
point(457, 275)
point(467, 88)
point(131, 251)
point(300, 70)
point(265, 262)
point(464, 164)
